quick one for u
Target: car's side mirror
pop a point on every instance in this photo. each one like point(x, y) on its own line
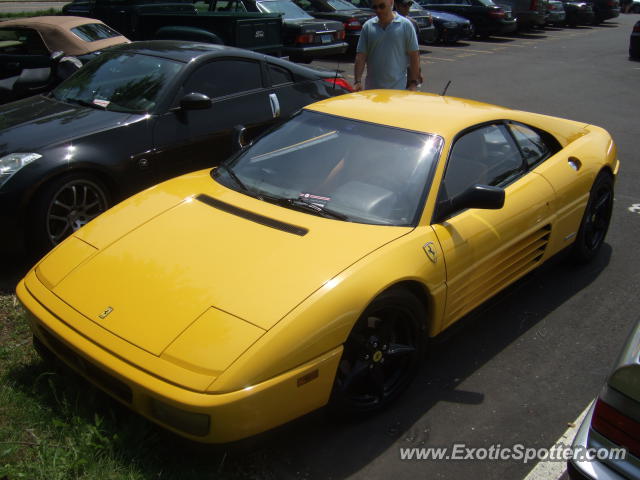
point(238, 139)
point(478, 196)
point(195, 101)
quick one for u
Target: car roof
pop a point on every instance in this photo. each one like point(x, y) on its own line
point(185, 51)
point(56, 34)
point(422, 112)
point(437, 114)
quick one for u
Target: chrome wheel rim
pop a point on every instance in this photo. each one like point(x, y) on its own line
point(74, 205)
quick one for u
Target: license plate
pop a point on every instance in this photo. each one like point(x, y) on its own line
point(326, 38)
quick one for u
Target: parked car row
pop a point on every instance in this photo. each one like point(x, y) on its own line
point(138, 113)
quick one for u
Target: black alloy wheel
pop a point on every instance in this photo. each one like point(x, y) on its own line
point(381, 355)
point(596, 219)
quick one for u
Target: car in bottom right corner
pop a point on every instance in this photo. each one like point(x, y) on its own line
point(634, 42)
point(613, 422)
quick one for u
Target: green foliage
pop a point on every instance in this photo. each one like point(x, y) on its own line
point(35, 13)
point(55, 426)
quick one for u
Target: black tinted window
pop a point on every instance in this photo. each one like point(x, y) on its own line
point(485, 156)
point(21, 41)
point(531, 144)
point(225, 77)
point(279, 75)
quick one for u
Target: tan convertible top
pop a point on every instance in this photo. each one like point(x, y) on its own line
point(56, 33)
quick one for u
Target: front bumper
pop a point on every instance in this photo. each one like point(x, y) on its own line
point(427, 34)
point(202, 417)
point(314, 51)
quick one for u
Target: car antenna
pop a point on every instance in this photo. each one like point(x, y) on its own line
point(335, 79)
point(445, 88)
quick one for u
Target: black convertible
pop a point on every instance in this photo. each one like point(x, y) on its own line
point(137, 114)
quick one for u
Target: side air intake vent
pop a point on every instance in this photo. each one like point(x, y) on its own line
point(253, 217)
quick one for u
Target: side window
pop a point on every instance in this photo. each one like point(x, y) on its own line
point(279, 75)
point(484, 156)
point(533, 148)
point(22, 41)
point(225, 77)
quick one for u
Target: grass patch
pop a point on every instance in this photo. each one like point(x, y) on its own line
point(36, 13)
point(54, 425)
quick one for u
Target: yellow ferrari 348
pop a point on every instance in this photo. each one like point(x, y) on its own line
point(311, 266)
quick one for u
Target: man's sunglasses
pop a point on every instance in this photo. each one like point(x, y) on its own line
point(379, 6)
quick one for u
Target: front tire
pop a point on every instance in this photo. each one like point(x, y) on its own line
point(596, 219)
point(382, 354)
point(64, 206)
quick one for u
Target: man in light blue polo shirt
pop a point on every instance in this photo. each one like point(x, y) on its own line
point(387, 46)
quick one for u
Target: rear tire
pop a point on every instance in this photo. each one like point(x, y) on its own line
point(595, 221)
point(381, 356)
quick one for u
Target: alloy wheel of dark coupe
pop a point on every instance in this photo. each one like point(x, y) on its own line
point(596, 219)
point(66, 205)
point(381, 355)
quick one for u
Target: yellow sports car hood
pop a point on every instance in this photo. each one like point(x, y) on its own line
point(236, 258)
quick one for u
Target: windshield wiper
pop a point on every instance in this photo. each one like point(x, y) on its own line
point(84, 103)
point(305, 206)
point(233, 175)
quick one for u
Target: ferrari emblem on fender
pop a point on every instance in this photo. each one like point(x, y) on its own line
point(430, 251)
point(106, 313)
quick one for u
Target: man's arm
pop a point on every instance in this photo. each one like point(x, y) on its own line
point(358, 70)
point(414, 70)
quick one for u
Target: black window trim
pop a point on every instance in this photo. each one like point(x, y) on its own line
point(542, 134)
point(525, 170)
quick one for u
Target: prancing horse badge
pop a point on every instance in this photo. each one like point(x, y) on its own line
point(430, 251)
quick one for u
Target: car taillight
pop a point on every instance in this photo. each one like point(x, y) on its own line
point(496, 13)
point(307, 38)
point(616, 426)
point(352, 24)
point(339, 82)
point(340, 35)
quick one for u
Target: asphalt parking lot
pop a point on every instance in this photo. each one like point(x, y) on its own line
point(525, 366)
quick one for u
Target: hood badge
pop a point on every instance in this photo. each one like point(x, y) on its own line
point(106, 313)
point(430, 251)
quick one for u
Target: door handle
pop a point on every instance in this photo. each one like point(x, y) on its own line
point(275, 105)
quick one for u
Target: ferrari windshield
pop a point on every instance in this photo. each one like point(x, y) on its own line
point(119, 82)
point(338, 167)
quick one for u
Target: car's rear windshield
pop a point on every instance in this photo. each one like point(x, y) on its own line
point(92, 32)
point(119, 82)
point(341, 5)
point(363, 172)
point(288, 9)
